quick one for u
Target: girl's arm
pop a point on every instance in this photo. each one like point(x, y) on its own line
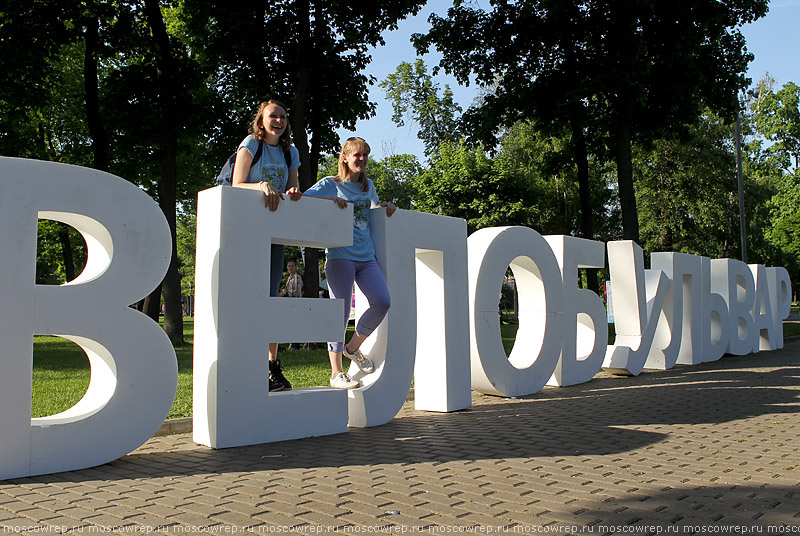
point(291, 186)
point(240, 172)
point(324, 186)
point(241, 168)
point(338, 200)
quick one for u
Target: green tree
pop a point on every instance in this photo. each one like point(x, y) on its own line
point(111, 87)
point(777, 118)
point(464, 182)
point(394, 176)
point(328, 166)
point(308, 53)
point(784, 233)
point(546, 160)
point(186, 245)
point(53, 266)
point(773, 162)
point(686, 192)
point(415, 98)
point(530, 181)
point(395, 179)
point(622, 69)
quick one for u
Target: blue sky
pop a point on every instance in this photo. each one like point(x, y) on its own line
point(773, 39)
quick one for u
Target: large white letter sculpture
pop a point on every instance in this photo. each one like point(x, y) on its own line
point(714, 322)
point(538, 344)
point(678, 335)
point(639, 297)
point(733, 280)
point(133, 367)
point(780, 287)
point(585, 338)
point(424, 259)
point(235, 319)
point(763, 319)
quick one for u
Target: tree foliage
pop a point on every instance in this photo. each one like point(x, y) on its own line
point(529, 181)
point(308, 53)
point(774, 151)
point(395, 179)
point(626, 70)
point(687, 192)
point(777, 118)
point(160, 91)
point(415, 98)
point(53, 238)
point(784, 232)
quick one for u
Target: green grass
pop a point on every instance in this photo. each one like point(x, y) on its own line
point(791, 329)
point(61, 369)
point(508, 332)
point(61, 372)
point(60, 375)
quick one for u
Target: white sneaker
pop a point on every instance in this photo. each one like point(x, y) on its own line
point(363, 362)
point(343, 381)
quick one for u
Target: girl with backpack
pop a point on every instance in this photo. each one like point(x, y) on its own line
point(267, 161)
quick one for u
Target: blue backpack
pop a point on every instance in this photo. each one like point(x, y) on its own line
point(225, 176)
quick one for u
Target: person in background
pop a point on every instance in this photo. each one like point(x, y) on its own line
point(293, 289)
point(294, 283)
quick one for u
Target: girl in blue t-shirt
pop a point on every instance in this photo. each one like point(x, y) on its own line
point(273, 176)
point(355, 263)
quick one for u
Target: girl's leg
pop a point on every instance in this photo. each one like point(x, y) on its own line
point(275, 275)
point(340, 274)
point(276, 378)
point(372, 284)
point(336, 362)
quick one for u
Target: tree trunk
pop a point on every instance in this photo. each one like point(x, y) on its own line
point(584, 191)
point(299, 120)
point(167, 186)
point(152, 304)
point(100, 148)
point(624, 160)
point(66, 251)
point(577, 114)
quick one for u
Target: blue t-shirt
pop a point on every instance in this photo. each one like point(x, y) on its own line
point(271, 167)
point(362, 248)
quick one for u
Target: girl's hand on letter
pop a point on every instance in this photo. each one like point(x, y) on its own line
point(341, 202)
point(271, 196)
point(294, 193)
point(390, 207)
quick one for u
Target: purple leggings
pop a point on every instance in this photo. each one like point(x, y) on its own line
point(341, 273)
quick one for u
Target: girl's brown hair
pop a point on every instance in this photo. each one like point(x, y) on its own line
point(257, 128)
point(350, 146)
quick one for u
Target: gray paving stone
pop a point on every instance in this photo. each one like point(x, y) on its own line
point(711, 444)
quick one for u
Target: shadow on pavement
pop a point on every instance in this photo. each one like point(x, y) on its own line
point(595, 418)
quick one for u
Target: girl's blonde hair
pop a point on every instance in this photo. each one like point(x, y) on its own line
point(350, 146)
point(257, 127)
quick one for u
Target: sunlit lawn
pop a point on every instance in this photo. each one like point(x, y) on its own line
point(61, 372)
point(61, 369)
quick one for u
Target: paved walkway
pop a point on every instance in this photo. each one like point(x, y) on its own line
point(706, 449)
